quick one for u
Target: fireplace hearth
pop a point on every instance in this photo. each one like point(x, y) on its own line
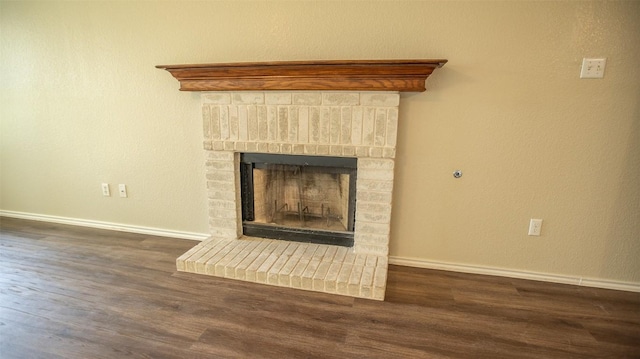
point(300, 169)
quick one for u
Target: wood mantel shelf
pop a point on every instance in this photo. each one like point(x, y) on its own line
point(350, 75)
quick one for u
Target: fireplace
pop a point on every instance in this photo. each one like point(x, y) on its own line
point(298, 198)
point(300, 168)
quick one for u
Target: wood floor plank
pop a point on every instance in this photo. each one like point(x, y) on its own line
point(73, 292)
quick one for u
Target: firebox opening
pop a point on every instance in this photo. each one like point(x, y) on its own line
point(298, 198)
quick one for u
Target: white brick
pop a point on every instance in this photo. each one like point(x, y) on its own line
point(335, 125)
point(373, 163)
point(277, 98)
point(218, 146)
point(378, 175)
point(252, 123)
point(221, 176)
point(345, 126)
point(392, 127)
point(307, 98)
point(356, 126)
point(217, 98)
point(303, 125)
point(380, 197)
point(206, 121)
point(213, 165)
point(224, 195)
point(215, 122)
point(378, 217)
point(379, 99)
point(342, 283)
point(297, 149)
point(224, 123)
point(229, 145)
point(378, 250)
point(309, 272)
point(283, 123)
point(335, 150)
point(252, 147)
point(348, 151)
point(318, 277)
point(220, 156)
point(273, 148)
point(294, 124)
point(216, 203)
point(322, 150)
point(372, 239)
point(380, 127)
point(314, 124)
point(263, 126)
point(248, 98)
point(233, 122)
point(243, 123)
point(368, 125)
point(340, 98)
point(354, 280)
point(240, 146)
point(362, 151)
point(325, 125)
point(272, 123)
point(373, 185)
point(310, 149)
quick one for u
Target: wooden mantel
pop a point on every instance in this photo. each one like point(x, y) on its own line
point(349, 75)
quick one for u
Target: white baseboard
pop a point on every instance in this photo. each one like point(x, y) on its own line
point(463, 268)
point(402, 261)
point(106, 225)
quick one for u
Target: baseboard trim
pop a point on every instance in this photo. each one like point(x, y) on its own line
point(544, 277)
point(402, 261)
point(106, 225)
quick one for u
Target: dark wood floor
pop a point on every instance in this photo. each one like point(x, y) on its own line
point(73, 292)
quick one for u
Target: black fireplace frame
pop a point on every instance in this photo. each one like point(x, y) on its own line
point(340, 165)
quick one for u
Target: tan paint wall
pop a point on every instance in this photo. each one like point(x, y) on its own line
point(81, 103)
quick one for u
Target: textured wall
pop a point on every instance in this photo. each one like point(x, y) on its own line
point(81, 103)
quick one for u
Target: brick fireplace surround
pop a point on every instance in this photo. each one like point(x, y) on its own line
point(330, 108)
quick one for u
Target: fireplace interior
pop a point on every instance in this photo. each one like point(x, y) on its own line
point(299, 198)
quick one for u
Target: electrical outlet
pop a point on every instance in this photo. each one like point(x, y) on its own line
point(122, 189)
point(535, 227)
point(105, 190)
point(592, 68)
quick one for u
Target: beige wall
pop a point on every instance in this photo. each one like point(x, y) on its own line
point(81, 103)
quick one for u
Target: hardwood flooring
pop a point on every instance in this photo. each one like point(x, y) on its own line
point(73, 292)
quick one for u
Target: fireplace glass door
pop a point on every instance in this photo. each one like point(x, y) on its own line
point(299, 198)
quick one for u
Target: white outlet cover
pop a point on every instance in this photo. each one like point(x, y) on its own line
point(593, 68)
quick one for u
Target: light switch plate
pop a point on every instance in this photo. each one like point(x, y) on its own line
point(593, 68)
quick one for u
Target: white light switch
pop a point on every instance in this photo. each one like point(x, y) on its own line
point(592, 68)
